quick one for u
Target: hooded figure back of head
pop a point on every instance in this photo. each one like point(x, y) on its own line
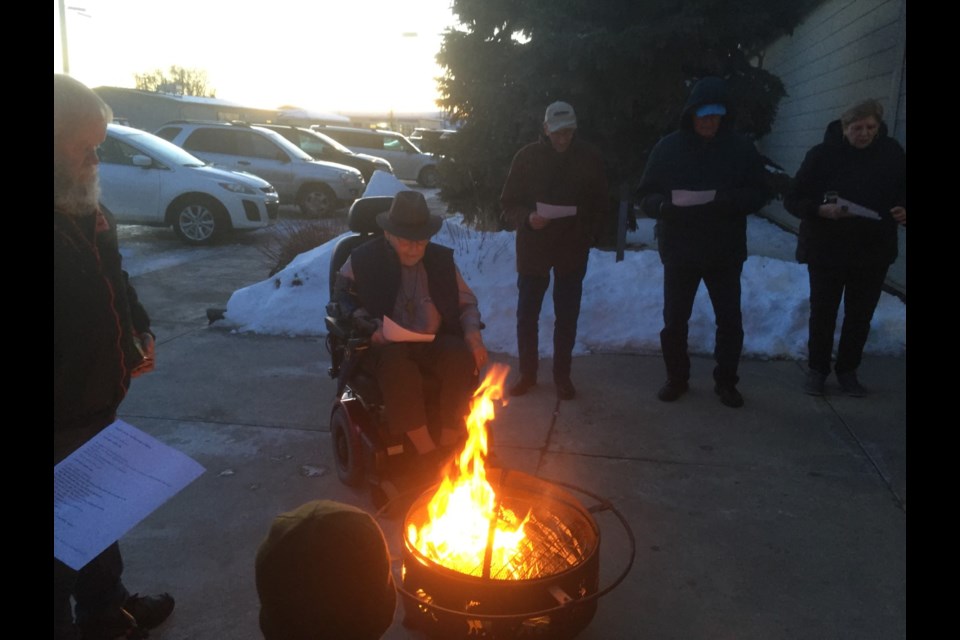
point(707, 91)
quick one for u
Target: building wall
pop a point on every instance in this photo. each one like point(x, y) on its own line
point(149, 111)
point(844, 51)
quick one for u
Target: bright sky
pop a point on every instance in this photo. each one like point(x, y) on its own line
point(356, 55)
point(622, 310)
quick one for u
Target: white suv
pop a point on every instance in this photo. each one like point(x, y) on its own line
point(317, 187)
point(147, 180)
point(408, 162)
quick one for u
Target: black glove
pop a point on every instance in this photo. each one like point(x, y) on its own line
point(656, 206)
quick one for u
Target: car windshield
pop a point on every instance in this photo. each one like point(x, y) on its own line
point(333, 143)
point(166, 152)
point(288, 146)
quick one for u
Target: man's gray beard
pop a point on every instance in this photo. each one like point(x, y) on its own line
point(75, 198)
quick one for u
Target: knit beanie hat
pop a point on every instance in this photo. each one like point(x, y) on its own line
point(323, 571)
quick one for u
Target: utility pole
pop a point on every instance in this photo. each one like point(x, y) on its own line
point(63, 36)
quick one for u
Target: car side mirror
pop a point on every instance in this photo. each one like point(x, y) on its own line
point(142, 161)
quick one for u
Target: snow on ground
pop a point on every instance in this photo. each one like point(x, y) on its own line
point(622, 301)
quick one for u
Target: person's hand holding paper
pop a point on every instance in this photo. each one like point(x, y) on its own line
point(554, 211)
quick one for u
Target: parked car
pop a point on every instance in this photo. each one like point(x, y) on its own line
point(147, 180)
point(408, 162)
point(432, 140)
point(323, 147)
point(317, 187)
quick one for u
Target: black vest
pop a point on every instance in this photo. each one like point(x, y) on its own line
point(376, 272)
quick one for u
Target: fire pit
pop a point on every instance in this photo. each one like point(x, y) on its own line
point(501, 554)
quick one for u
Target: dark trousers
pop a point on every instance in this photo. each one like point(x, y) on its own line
point(860, 288)
point(680, 286)
point(567, 291)
point(96, 588)
point(425, 383)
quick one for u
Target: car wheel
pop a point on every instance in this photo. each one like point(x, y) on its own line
point(346, 447)
point(317, 201)
point(429, 177)
point(199, 221)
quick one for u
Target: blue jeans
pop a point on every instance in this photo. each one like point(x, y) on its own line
point(567, 291)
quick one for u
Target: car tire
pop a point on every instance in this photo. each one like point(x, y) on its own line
point(429, 177)
point(346, 448)
point(198, 220)
point(317, 201)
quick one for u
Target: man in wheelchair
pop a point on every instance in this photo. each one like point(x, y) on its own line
point(426, 351)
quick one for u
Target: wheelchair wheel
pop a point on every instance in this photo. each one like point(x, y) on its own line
point(346, 448)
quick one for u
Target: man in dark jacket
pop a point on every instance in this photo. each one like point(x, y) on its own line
point(564, 171)
point(700, 183)
point(402, 279)
point(101, 338)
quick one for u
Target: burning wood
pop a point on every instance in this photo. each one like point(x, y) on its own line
point(467, 529)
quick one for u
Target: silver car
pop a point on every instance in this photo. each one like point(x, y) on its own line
point(408, 162)
point(318, 188)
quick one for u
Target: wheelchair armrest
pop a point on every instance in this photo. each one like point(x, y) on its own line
point(338, 328)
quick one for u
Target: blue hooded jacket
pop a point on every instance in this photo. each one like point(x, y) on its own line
point(712, 234)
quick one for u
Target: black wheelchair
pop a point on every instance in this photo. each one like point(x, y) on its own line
point(364, 450)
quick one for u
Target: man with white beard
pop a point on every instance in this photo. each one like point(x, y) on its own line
point(101, 339)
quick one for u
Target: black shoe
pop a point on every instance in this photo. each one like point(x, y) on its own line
point(138, 615)
point(565, 390)
point(672, 390)
point(149, 611)
point(814, 383)
point(522, 385)
point(850, 385)
point(729, 395)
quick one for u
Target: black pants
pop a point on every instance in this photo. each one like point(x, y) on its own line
point(680, 286)
point(425, 383)
point(567, 291)
point(860, 288)
point(96, 588)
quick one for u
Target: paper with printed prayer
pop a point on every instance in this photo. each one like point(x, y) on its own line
point(687, 198)
point(554, 211)
point(395, 333)
point(858, 209)
point(108, 485)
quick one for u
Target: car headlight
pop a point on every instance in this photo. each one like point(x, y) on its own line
point(352, 179)
point(236, 187)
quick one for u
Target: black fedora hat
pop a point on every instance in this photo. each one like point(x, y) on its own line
point(409, 217)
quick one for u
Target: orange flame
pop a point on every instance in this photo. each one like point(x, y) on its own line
point(465, 520)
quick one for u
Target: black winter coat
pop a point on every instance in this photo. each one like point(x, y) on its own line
point(712, 234)
point(875, 177)
point(95, 317)
point(575, 177)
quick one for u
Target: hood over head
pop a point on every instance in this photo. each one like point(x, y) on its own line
point(707, 91)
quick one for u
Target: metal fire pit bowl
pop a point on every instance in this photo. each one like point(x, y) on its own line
point(558, 598)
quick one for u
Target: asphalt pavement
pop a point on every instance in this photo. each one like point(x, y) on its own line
point(783, 519)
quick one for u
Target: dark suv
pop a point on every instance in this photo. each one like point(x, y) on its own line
point(323, 147)
point(317, 187)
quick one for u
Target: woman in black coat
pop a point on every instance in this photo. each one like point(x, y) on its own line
point(850, 194)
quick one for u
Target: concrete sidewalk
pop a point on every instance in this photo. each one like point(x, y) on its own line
point(783, 519)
